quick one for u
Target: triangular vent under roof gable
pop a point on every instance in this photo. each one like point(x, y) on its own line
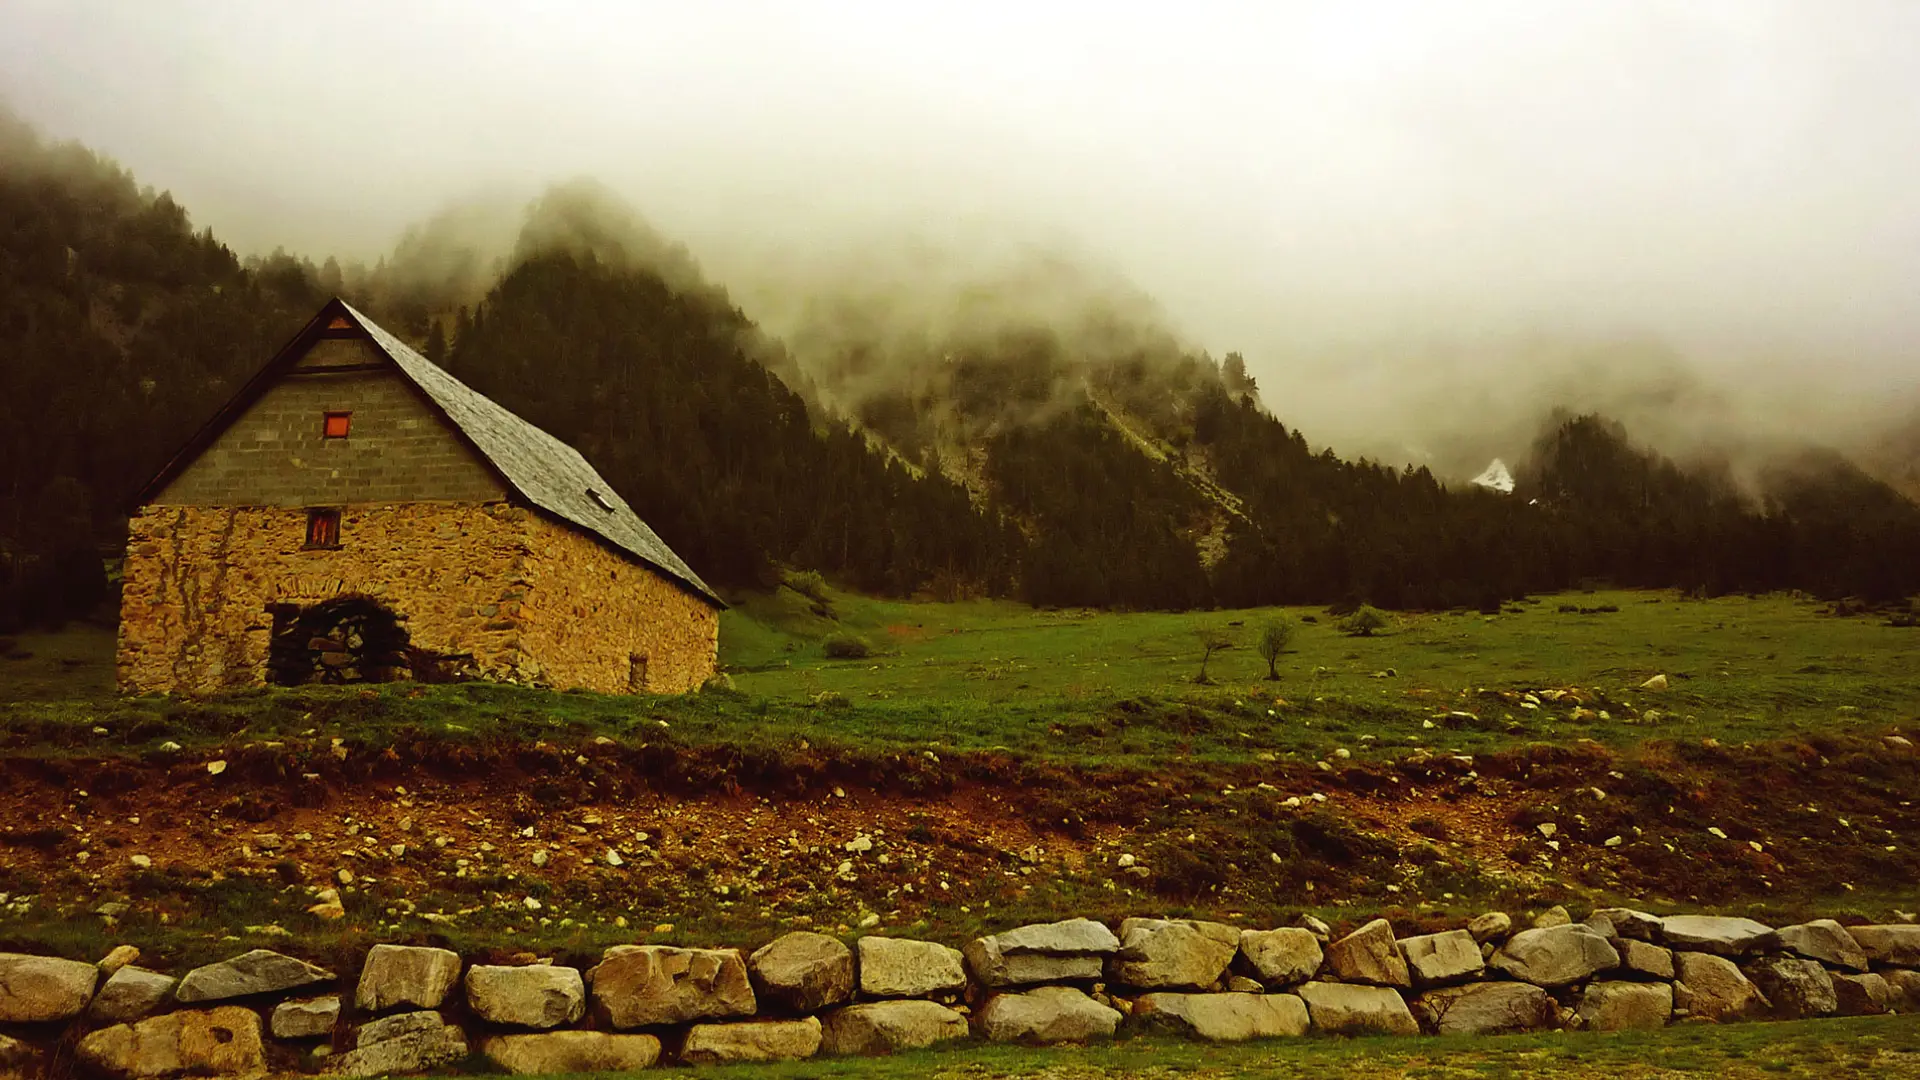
point(545, 471)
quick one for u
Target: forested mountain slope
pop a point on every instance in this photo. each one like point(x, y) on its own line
point(1090, 460)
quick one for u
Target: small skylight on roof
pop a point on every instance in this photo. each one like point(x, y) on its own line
point(602, 500)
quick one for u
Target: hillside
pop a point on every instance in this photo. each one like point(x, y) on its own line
point(1066, 450)
point(999, 761)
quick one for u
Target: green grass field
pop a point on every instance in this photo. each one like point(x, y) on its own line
point(1886, 1046)
point(1111, 688)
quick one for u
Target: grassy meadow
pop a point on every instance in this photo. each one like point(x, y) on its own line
point(1101, 688)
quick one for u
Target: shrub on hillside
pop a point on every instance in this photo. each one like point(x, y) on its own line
point(810, 584)
point(847, 647)
point(1363, 623)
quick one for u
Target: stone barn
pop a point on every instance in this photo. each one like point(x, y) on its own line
point(355, 513)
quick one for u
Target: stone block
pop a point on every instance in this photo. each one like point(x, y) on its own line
point(534, 996)
point(1047, 1015)
point(802, 971)
point(1226, 1017)
point(751, 1040)
point(405, 976)
point(648, 985)
point(883, 1027)
point(899, 967)
point(1347, 1009)
point(1369, 955)
point(43, 989)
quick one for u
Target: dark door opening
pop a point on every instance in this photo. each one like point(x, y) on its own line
point(349, 639)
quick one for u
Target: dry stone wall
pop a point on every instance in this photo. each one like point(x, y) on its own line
point(528, 600)
point(806, 994)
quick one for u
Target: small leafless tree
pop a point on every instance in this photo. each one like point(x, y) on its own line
point(1212, 640)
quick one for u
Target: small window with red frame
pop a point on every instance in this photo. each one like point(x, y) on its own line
point(337, 425)
point(323, 528)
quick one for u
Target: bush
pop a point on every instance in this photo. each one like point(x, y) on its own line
point(810, 584)
point(847, 647)
point(1363, 623)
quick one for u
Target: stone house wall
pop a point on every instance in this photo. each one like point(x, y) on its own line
point(523, 595)
point(598, 620)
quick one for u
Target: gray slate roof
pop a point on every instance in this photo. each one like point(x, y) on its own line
point(545, 471)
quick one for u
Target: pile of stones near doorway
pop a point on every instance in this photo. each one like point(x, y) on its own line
point(416, 1009)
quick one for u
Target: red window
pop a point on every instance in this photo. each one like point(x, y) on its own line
point(337, 424)
point(323, 528)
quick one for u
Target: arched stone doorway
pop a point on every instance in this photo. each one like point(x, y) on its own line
point(347, 639)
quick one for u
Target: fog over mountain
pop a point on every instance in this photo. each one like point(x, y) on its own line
point(1423, 225)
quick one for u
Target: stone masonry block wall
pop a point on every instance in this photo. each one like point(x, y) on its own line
point(397, 449)
point(198, 582)
point(598, 620)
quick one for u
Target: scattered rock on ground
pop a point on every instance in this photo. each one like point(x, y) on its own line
point(1553, 916)
point(406, 975)
point(1712, 988)
point(117, 957)
point(42, 989)
point(535, 996)
point(883, 1027)
point(1489, 1008)
point(1344, 1009)
point(752, 1040)
point(1368, 955)
point(1281, 957)
point(1556, 955)
point(1439, 959)
point(1492, 926)
point(571, 1052)
point(130, 994)
point(899, 967)
point(645, 985)
point(1047, 1015)
point(1315, 926)
point(1169, 954)
point(309, 1019)
point(261, 971)
point(1625, 1006)
point(223, 1041)
point(1226, 1017)
point(802, 971)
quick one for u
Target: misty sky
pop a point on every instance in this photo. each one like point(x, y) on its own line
point(1377, 202)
